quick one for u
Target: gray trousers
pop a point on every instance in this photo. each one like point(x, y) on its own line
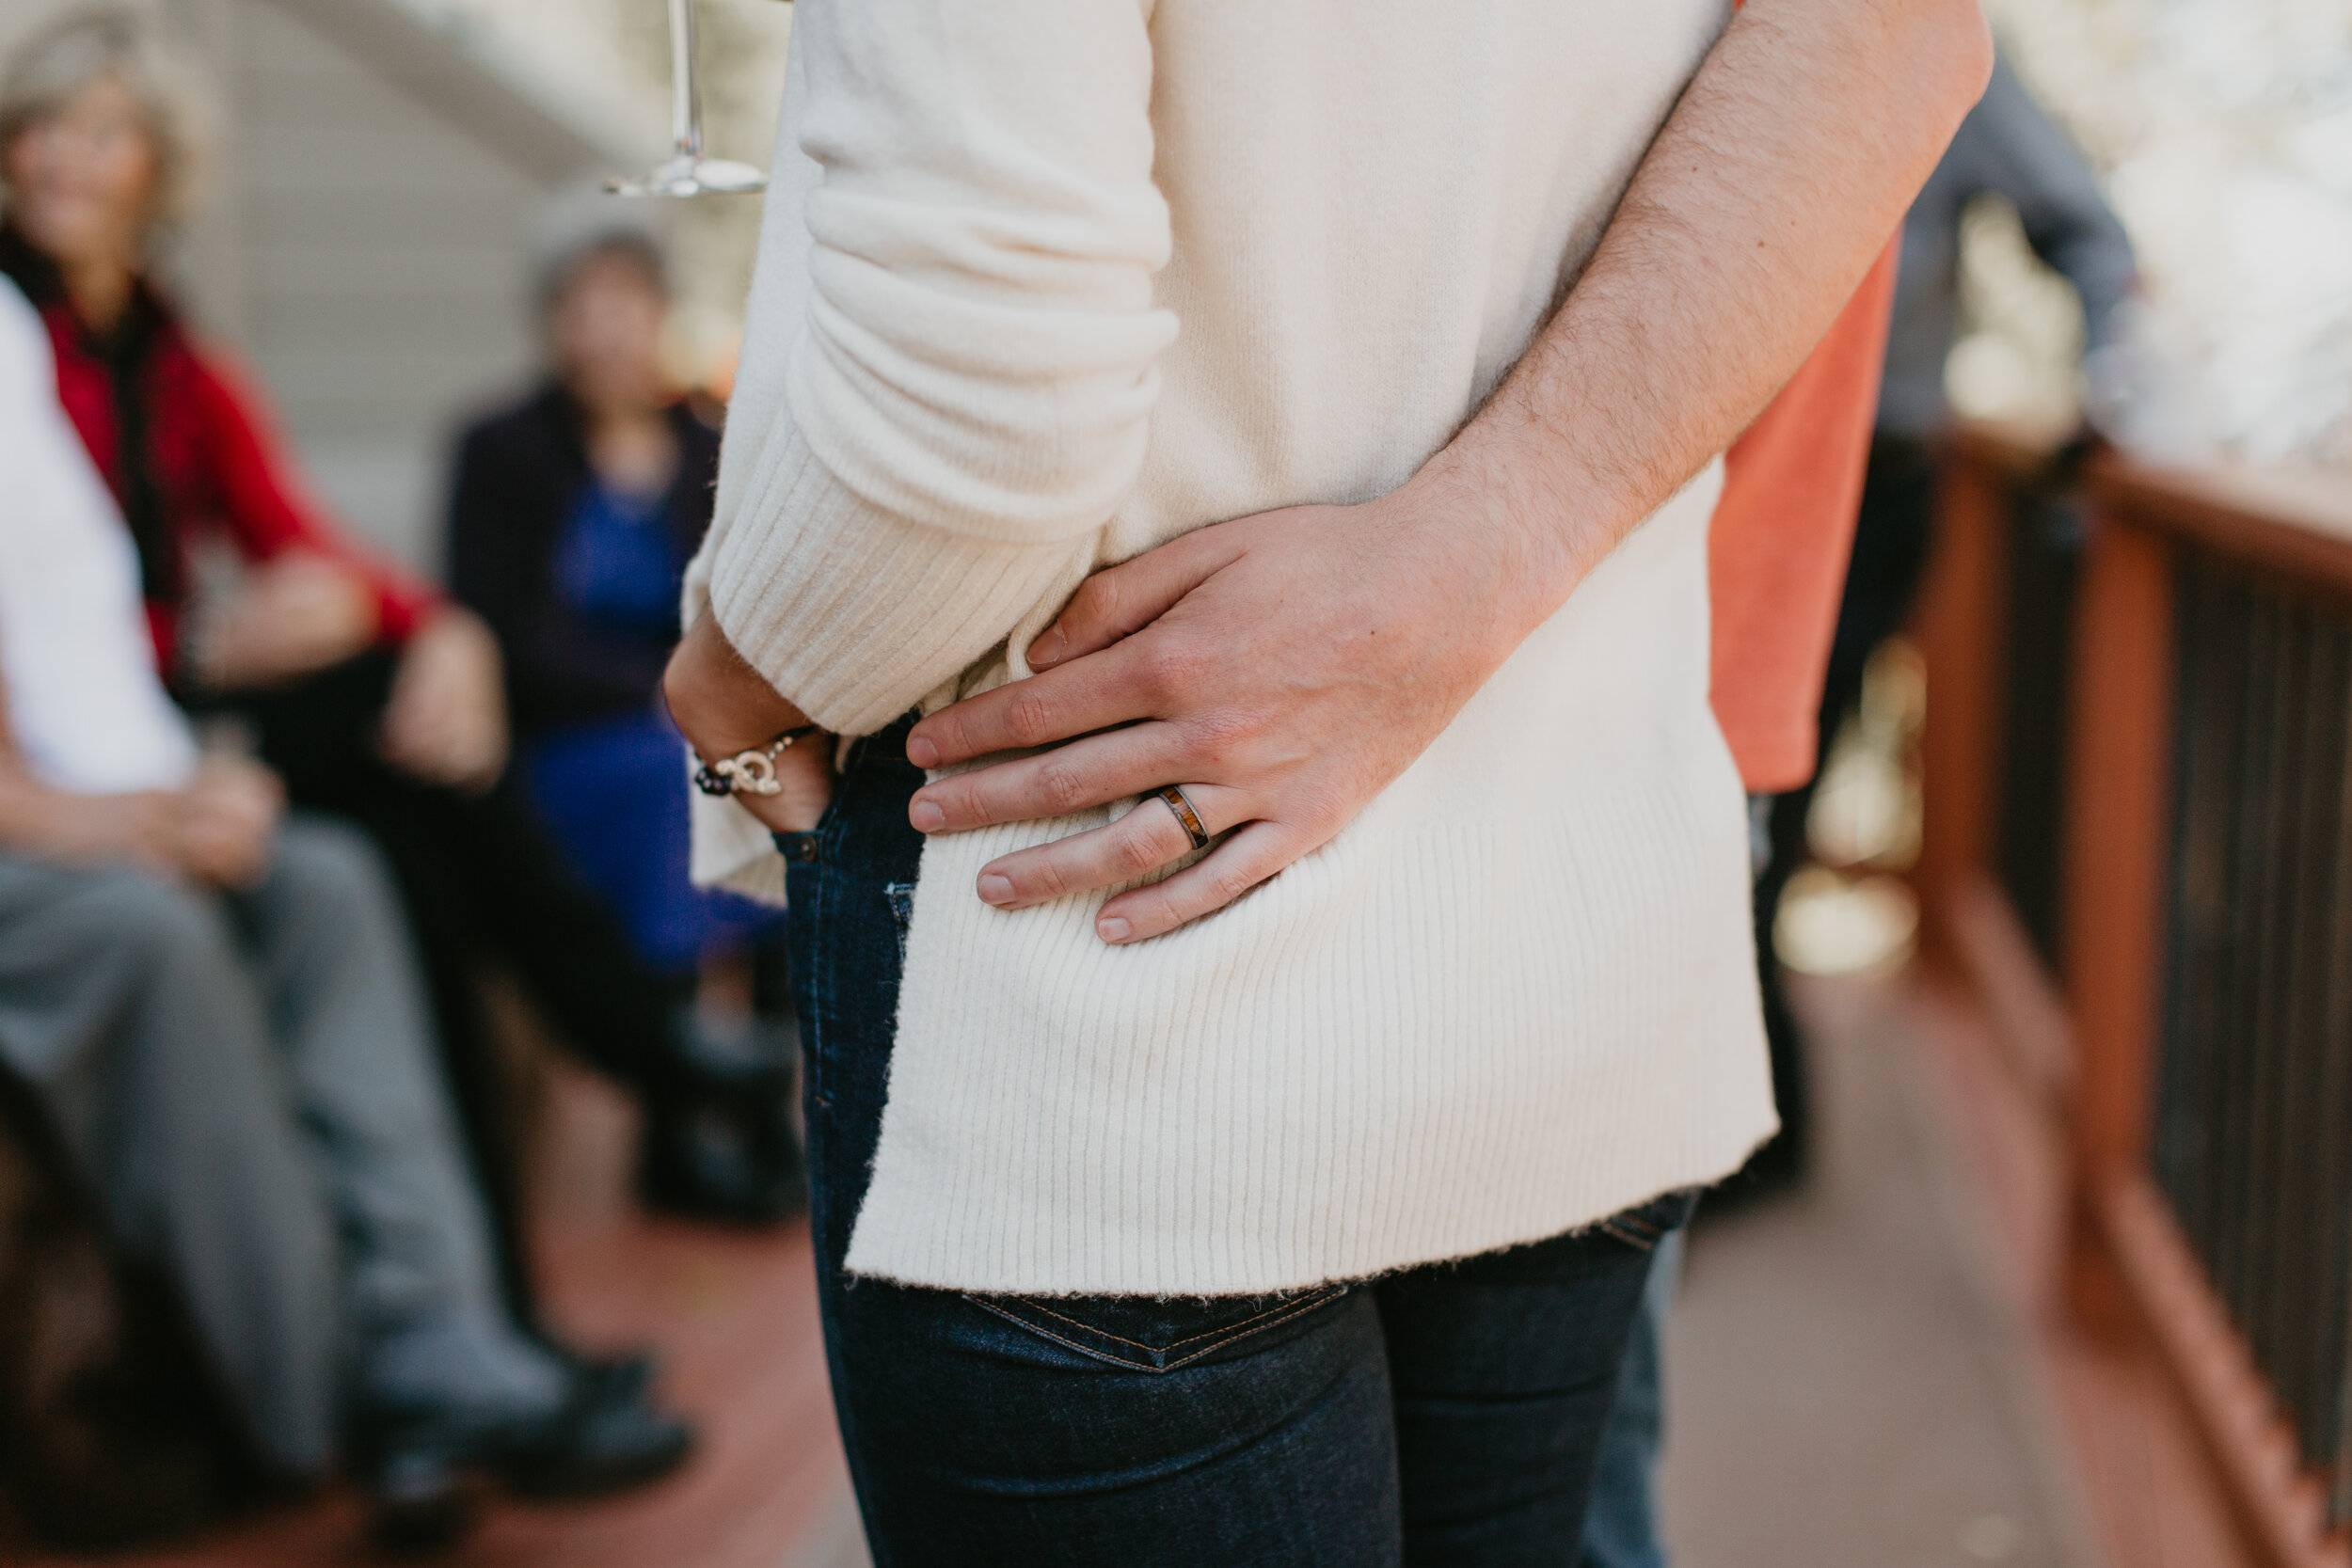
point(249, 1082)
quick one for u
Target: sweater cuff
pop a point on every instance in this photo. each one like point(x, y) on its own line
point(857, 613)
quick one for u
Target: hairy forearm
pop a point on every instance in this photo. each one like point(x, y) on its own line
point(1766, 196)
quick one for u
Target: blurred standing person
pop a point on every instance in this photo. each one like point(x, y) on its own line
point(2009, 148)
point(218, 1006)
point(572, 517)
point(373, 697)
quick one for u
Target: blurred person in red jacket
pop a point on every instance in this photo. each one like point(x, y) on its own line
point(371, 696)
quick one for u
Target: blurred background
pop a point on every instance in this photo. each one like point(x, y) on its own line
point(2059, 1272)
point(390, 175)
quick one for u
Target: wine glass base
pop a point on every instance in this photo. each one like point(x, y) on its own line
point(691, 175)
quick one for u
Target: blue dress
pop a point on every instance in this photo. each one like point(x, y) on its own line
point(613, 789)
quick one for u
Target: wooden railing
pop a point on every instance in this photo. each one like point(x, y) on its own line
point(2138, 852)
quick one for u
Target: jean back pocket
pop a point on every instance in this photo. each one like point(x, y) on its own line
point(1145, 1334)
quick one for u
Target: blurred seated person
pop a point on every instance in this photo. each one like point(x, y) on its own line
point(217, 1004)
point(572, 517)
point(373, 698)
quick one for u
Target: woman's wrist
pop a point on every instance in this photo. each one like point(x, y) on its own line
point(719, 702)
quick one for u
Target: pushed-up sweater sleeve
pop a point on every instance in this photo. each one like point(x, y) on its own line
point(968, 354)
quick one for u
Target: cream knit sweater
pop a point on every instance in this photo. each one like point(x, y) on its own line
point(1044, 283)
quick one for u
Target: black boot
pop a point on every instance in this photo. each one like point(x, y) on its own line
point(427, 1467)
point(719, 1141)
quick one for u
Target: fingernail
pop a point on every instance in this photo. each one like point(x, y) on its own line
point(927, 816)
point(921, 753)
point(1047, 648)
point(1111, 928)
point(995, 887)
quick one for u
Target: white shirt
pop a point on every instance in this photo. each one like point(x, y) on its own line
point(85, 709)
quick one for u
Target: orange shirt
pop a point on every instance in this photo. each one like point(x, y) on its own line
point(1783, 531)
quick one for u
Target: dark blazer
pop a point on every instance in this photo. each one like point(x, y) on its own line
point(519, 475)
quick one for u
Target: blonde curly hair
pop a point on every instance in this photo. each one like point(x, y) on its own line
point(131, 46)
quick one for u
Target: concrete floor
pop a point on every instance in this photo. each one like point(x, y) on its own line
point(1847, 1387)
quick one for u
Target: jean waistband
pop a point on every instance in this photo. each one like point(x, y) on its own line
point(888, 744)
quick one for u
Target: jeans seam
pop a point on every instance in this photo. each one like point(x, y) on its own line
point(901, 899)
point(1036, 1306)
point(1631, 1232)
point(1238, 1331)
point(820, 996)
point(827, 837)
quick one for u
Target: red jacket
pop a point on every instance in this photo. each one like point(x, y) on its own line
point(1783, 531)
point(212, 463)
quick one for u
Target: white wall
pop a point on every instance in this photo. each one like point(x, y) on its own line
point(377, 281)
point(364, 250)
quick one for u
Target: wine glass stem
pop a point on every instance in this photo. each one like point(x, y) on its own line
point(686, 104)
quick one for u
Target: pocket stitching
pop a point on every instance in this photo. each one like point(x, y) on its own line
point(900, 897)
point(1625, 1232)
point(1231, 1332)
point(1321, 1293)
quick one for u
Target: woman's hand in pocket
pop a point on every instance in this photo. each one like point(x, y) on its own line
point(723, 706)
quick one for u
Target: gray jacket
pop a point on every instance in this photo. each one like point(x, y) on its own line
point(2006, 147)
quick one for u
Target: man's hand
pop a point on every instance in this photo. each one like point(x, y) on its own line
point(298, 613)
point(723, 706)
point(224, 821)
point(445, 720)
point(1282, 668)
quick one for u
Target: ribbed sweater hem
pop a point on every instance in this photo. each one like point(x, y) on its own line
point(1532, 1233)
point(808, 598)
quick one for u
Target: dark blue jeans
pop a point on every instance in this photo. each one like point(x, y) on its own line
point(1448, 1414)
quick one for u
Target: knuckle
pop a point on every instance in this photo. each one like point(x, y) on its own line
point(1216, 739)
point(1027, 721)
point(1043, 880)
point(1062, 788)
point(1170, 668)
point(1232, 882)
point(1097, 600)
point(1134, 853)
point(964, 806)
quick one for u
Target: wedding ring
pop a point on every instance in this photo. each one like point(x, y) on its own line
point(1186, 817)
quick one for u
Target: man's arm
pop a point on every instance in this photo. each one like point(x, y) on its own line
point(1768, 194)
point(1285, 667)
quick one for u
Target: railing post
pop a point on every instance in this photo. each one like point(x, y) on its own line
point(2119, 802)
point(1962, 619)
